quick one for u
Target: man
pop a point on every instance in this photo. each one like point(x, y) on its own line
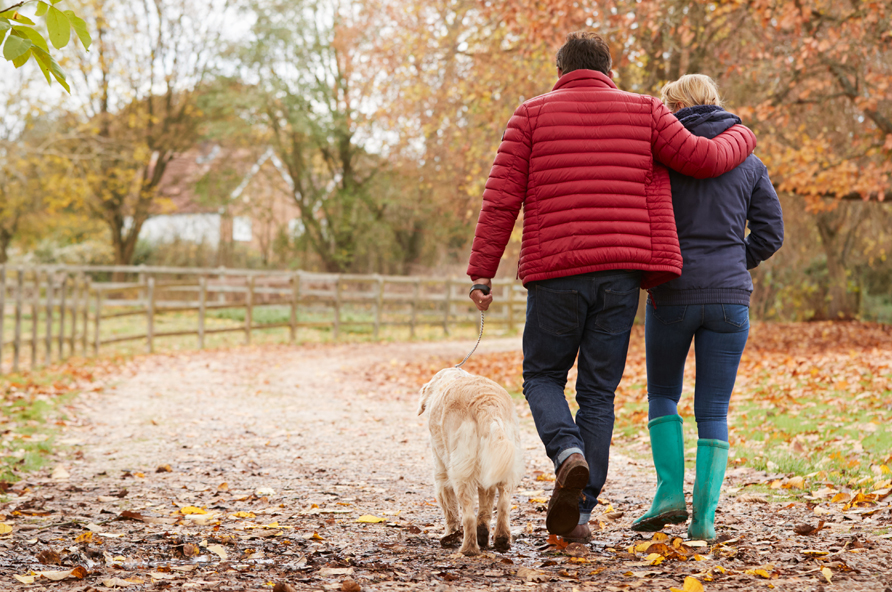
point(598, 226)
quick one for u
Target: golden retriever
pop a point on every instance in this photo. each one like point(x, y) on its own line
point(475, 438)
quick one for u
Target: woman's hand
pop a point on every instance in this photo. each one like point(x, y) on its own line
point(480, 299)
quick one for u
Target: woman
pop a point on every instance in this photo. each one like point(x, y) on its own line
point(708, 304)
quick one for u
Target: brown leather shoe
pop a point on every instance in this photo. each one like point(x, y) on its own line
point(581, 534)
point(563, 507)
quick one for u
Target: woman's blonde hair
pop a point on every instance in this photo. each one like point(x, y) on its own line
point(690, 90)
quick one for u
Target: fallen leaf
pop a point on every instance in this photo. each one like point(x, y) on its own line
point(335, 571)
point(841, 498)
point(163, 576)
point(795, 483)
point(538, 500)
point(758, 572)
point(690, 585)
point(49, 557)
point(808, 529)
point(5, 528)
point(24, 579)
point(60, 474)
point(116, 583)
point(186, 510)
point(223, 487)
point(814, 552)
point(532, 575)
point(369, 519)
point(164, 469)
point(243, 515)
point(219, 551)
point(654, 559)
point(827, 573)
point(56, 576)
point(350, 586)
point(190, 550)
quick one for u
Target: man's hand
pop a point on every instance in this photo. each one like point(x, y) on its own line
point(482, 301)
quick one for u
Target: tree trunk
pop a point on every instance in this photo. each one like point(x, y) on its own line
point(837, 228)
point(5, 239)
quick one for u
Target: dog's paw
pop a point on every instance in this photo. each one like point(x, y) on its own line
point(502, 543)
point(452, 540)
point(470, 551)
point(482, 536)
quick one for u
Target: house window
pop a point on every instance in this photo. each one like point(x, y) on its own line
point(241, 229)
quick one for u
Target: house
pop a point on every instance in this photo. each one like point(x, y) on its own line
point(221, 197)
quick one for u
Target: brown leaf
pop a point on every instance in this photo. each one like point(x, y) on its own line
point(190, 550)
point(576, 550)
point(808, 529)
point(350, 586)
point(164, 469)
point(49, 557)
point(532, 575)
point(283, 587)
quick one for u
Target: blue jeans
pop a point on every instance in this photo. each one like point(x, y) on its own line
point(590, 315)
point(719, 332)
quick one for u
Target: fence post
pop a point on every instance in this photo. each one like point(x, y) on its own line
point(75, 286)
point(86, 298)
point(510, 288)
point(415, 296)
point(337, 309)
point(447, 307)
point(295, 302)
point(150, 315)
point(62, 288)
point(17, 339)
point(50, 288)
point(379, 304)
point(35, 318)
point(2, 310)
point(249, 309)
point(97, 318)
point(202, 298)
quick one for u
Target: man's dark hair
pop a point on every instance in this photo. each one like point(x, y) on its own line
point(584, 50)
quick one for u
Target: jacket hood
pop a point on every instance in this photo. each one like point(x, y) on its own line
point(707, 121)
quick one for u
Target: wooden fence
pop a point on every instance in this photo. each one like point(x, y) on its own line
point(49, 313)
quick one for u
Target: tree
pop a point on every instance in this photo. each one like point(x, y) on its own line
point(24, 39)
point(142, 80)
point(311, 99)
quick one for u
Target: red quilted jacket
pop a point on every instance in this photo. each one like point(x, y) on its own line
point(580, 160)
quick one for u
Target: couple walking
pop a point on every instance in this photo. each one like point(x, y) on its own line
point(620, 192)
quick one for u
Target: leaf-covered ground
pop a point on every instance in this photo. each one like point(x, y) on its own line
point(308, 467)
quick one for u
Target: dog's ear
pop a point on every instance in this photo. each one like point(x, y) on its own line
point(425, 395)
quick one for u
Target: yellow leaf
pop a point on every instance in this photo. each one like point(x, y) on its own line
point(720, 568)
point(191, 510)
point(24, 579)
point(316, 537)
point(660, 536)
point(369, 519)
point(827, 573)
point(642, 547)
point(758, 572)
point(698, 557)
point(692, 585)
point(244, 515)
point(85, 537)
point(538, 500)
point(276, 524)
point(544, 477)
point(5, 528)
point(795, 483)
point(840, 498)
point(814, 552)
point(654, 559)
point(885, 470)
point(219, 551)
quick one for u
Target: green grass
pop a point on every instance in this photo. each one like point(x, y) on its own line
point(30, 410)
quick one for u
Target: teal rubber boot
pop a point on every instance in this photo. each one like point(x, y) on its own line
point(667, 446)
point(712, 459)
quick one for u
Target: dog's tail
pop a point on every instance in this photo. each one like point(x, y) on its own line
point(497, 452)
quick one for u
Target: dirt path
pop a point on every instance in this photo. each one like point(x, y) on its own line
point(281, 450)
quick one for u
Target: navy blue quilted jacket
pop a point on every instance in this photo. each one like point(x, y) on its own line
point(712, 215)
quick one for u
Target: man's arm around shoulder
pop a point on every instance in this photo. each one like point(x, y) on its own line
point(701, 158)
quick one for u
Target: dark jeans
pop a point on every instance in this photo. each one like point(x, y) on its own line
point(719, 332)
point(590, 315)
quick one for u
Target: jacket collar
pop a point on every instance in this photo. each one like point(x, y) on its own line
point(584, 78)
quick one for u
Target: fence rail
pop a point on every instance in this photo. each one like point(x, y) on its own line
point(49, 313)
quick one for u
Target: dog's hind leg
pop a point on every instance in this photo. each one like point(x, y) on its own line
point(447, 500)
point(465, 493)
point(502, 535)
point(486, 498)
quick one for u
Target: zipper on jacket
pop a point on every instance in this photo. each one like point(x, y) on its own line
point(652, 299)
